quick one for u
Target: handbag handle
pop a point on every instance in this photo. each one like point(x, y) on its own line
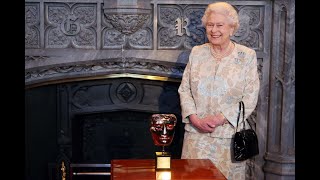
point(241, 106)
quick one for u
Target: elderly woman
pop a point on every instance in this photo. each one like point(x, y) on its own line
point(218, 75)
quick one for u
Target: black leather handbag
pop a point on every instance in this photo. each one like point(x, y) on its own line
point(245, 141)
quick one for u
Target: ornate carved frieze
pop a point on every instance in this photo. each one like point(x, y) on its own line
point(105, 67)
point(126, 25)
point(70, 25)
point(180, 26)
point(35, 58)
point(32, 25)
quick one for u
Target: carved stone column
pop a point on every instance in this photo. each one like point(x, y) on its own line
point(280, 154)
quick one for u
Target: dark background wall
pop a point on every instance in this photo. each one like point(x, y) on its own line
point(40, 131)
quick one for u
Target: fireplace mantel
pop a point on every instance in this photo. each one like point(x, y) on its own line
point(66, 65)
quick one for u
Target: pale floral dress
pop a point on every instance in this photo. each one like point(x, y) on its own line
point(209, 86)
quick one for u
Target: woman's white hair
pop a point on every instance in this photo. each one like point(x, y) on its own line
point(225, 9)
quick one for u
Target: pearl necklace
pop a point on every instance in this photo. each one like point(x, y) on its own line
point(219, 56)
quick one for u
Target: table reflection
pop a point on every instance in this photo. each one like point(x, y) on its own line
point(163, 175)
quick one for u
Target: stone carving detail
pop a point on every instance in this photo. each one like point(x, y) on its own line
point(127, 23)
point(182, 27)
point(107, 66)
point(80, 97)
point(155, 67)
point(126, 92)
point(142, 38)
point(35, 58)
point(169, 14)
point(167, 35)
point(250, 32)
point(197, 32)
point(113, 38)
point(130, 31)
point(71, 26)
point(179, 27)
point(32, 23)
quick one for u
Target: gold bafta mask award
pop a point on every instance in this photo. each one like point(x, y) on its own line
point(162, 128)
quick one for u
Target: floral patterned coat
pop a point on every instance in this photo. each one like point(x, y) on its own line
point(209, 86)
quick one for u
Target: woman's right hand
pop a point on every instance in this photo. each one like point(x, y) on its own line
point(205, 125)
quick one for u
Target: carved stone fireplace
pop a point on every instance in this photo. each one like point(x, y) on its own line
point(108, 119)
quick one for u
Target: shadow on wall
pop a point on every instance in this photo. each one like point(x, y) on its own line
point(169, 102)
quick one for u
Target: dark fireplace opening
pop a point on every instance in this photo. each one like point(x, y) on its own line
point(101, 137)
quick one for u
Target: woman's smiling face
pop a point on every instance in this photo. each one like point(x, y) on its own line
point(218, 29)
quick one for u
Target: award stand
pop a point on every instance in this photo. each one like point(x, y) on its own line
point(163, 160)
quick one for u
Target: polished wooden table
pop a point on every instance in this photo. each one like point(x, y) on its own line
point(181, 169)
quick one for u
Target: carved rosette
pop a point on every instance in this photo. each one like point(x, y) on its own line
point(126, 92)
point(70, 26)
